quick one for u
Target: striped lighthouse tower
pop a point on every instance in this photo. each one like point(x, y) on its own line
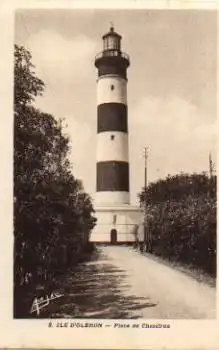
point(112, 125)
point(112, 168)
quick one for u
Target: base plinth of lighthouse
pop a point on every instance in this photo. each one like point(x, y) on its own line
point(116, 224)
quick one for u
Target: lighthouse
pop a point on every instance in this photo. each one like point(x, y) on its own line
point(116, 219)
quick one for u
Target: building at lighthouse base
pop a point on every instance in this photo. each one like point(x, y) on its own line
point(116, 224)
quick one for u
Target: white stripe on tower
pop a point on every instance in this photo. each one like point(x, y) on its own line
point(112, 145)
point(112, 197)
point(111, 88)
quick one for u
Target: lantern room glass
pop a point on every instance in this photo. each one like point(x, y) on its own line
point(111, 42)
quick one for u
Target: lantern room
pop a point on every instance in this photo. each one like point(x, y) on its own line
point(111, 40)
point(111, 60)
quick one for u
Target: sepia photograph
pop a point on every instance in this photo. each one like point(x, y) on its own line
point(114, 165)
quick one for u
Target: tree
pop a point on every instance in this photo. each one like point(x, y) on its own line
point(181, 213)
point(53, 216)
point(26, 85)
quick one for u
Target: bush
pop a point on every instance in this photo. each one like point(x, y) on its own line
point(181, 219)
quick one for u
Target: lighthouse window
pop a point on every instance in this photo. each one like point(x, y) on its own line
point(112, 87)
point(114, 219)
point(112, 137)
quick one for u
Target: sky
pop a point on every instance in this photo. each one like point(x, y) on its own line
point(172, 91)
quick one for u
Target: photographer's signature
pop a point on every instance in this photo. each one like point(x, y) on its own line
point(40, 303)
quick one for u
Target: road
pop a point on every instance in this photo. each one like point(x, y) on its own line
point(166, 293)
point(122, 283)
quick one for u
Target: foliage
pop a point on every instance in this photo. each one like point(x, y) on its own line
point(181, 219)
point(53, 216)
point(26, 85)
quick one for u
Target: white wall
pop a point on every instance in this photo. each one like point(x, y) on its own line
point(114, 197)
point(116, 149)
point(125, 223)
point(106, 95)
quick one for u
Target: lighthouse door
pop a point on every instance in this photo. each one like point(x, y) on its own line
point(113, 236)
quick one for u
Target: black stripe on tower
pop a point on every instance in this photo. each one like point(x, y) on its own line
point(112, 117)
point(112, 65)
point(113, 176)
point(117, 70)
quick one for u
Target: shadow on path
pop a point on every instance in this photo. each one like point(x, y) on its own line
point(96, 290)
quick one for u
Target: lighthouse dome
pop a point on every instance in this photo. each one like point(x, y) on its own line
point(111, 32)
point(111, 40)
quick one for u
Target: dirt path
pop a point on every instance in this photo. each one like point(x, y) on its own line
point(121, 283)
point(171, 293)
